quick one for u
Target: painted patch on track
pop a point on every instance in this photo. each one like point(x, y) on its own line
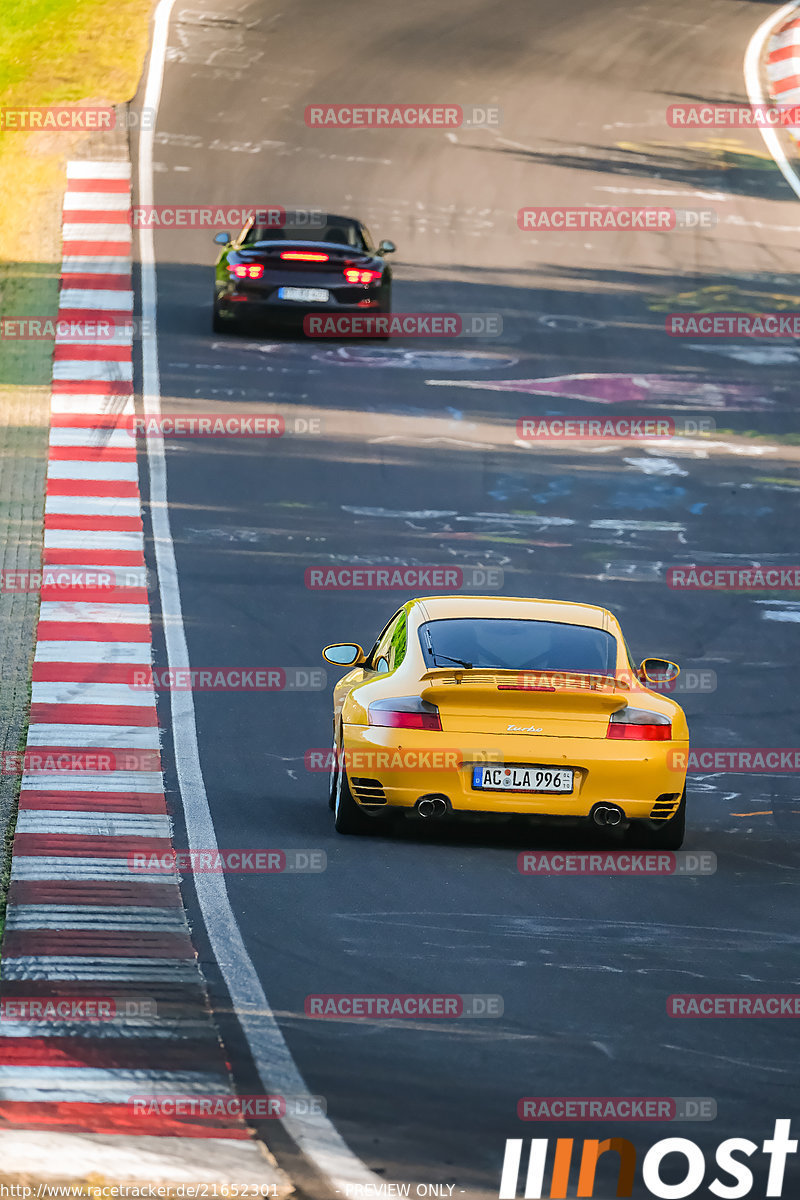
point(654, 390)
point(83, 925)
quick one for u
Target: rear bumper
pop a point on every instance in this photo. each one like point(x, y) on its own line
point(633, 775)
point(250, 305)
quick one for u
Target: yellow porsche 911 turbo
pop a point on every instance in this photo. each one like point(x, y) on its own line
point(475, 705)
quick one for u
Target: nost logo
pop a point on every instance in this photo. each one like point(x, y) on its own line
point(729, 1158)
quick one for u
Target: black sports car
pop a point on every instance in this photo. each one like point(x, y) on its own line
point(279, 275)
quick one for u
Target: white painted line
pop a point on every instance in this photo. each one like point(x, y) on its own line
point(755, 92)
point(117, 300)
point(140, 783)
point(784, 69)
point(96, 264)
point(89, 405)
point(93, 652)
point(315, 1135)
point(101, 169)
point(98, 824)
point(96, 201)
point(96, 916)
point(159, 1025)
point(104, 371)
point(91, 231)
point(101, 1085)
point(76, 1157)
point(93, 468)
point(93, 539)
point(791, 37)
point(112, 737)
point(92, 693)
point(129, 970)
point(54, 868)
point(95, 437)
point(120, 335)
point(109, 506)
point(104, 614)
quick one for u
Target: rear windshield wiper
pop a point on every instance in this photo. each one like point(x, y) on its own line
point(460, 662)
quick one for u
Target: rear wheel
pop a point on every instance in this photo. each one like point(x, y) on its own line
point(220, 325)
point(664, 835)
point(348, 817)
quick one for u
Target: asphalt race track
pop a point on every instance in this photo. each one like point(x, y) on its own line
point(408, 472)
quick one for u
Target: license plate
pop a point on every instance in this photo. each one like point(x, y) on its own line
point(306, 295)
point(522, 779)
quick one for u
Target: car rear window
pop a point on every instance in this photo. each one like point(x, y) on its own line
point(339, 233)
point(502, 644)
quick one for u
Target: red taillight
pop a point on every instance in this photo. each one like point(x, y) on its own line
point(357, 275)
point(639, 725)
point(247, 270)
point(305, 255)
point(640, 733)
point(405, 712)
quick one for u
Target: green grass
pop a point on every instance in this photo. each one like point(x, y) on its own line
point(58, 52)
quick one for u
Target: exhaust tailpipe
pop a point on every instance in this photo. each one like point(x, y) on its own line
point(432, 806)
point(607, 814)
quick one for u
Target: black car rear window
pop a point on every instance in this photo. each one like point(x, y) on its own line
point(502, 644)
point(338, 232)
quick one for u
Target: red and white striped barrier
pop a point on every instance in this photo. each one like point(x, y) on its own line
point(82, 924)
point(783, 68)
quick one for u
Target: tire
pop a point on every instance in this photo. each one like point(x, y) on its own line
point(332, 778)
point(385, 310)
point(217, 323)
point(347, 816)
point(664, 835)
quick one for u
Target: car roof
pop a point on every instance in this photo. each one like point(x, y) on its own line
point(518, 608)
